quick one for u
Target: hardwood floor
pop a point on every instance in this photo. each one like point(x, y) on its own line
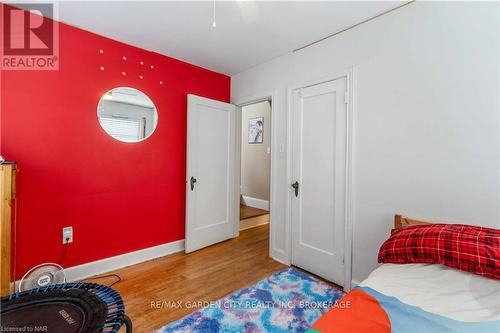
point(248, 212)
point(253, 222)
point(205, 275)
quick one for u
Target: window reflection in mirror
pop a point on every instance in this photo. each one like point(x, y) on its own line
point(127, 114)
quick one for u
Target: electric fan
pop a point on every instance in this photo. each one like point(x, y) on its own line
point(42, 275)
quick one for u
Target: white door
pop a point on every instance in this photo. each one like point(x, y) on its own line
point(211, 199)
point(318, 189)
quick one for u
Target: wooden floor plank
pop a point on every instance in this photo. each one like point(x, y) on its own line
point(205, 275)
point(248, 212)
point(253, 222)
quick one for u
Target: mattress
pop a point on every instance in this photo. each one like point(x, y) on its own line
point(439, 289)
point(416, 298)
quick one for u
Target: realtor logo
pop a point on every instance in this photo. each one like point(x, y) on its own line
point(30, 39)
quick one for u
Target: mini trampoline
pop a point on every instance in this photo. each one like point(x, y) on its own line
point(65, 308)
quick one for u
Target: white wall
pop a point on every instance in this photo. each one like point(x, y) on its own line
point(426, 125)
point(255, 159)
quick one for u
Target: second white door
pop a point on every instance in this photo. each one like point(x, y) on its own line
point(318, 189)
point(212, 200)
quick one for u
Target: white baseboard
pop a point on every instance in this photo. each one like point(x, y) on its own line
point(354, 283)
point(255, 203)
point(280, 256)
point(93, 268)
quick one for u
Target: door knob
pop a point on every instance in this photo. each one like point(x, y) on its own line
point(296, 188)
point(193, 181)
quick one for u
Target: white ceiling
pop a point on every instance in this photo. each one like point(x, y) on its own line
point(247, 33)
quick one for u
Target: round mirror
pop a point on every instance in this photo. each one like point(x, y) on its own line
point(127, 114)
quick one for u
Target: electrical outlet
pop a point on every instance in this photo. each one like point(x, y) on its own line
point(67, 234)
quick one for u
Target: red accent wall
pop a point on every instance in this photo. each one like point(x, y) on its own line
point(119, 197)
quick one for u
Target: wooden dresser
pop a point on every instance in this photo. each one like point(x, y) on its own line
point(8, 172)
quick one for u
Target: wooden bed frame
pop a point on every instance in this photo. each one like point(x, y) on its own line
point(401, 221)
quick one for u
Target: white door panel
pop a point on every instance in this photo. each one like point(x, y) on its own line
point(318, 165)
point(210, 209)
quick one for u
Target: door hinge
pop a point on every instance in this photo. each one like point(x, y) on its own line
point(346, 97)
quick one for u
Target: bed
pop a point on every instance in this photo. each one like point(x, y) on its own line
point(418, 297)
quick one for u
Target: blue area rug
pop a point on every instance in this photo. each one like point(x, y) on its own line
point(288, 301)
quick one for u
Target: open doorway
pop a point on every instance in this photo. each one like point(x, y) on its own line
point(255, 186)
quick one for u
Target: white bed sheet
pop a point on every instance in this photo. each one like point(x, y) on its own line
point(439, 289)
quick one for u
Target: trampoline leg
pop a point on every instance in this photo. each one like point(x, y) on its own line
point(128, 323)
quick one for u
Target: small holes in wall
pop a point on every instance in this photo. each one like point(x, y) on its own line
point(125, 73)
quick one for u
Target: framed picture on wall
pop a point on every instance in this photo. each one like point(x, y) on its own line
point(256, 130)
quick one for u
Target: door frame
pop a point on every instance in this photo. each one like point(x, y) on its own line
point(350, 75)
point(241, 102)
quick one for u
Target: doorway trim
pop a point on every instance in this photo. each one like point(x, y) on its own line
point(350, 75)
point(241, 102)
